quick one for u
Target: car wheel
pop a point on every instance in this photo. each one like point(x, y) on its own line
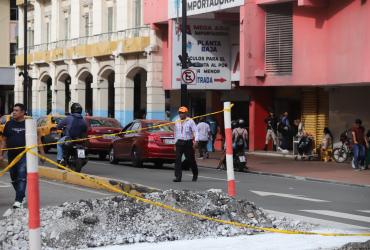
point(112, 157)
point(136, 159)
point(158, 164)
point(102, 156)
point(46, 148)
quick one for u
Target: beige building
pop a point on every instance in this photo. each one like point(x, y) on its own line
point(8, 49)
point(97, 53)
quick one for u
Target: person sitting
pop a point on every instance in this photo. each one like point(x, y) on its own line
point(305, 145)
point(326, 147)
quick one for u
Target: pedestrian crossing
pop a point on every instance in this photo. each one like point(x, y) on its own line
point(342, 215)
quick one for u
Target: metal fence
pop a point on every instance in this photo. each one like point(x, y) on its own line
point(104, 37)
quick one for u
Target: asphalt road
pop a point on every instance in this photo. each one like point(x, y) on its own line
point(325, 203)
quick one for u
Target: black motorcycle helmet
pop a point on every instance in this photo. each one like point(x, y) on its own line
point(76, 108)
point(241, 123)
point(234, 124)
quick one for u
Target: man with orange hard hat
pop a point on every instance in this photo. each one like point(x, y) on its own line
point(185, 132)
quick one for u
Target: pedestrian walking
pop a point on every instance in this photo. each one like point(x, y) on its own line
point(367, 161)
point(204, 134)
point(185, 132)
point(214, 129)
point(271, 131)
point(284, 128)
point(14, 136)
point(360, 144)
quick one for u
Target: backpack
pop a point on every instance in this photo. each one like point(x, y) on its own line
point(75, 131)
point(239, 141)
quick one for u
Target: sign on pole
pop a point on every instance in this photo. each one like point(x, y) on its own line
point(188, 76)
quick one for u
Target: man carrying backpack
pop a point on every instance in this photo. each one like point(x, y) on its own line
point(240, 136)
point(74, 127)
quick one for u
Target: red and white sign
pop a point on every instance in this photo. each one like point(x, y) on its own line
point(209, 46)
point(188, 76)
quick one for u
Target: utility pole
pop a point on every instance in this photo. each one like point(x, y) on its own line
point(184, 55)
point(25, 66)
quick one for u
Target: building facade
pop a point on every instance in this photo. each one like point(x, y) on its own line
point(98, 53)
point(8, 49)
point(307, 57)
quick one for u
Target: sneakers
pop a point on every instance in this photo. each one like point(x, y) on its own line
point(200, 158)
point(17, 204)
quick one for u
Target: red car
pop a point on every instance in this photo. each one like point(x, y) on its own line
point(155, 145)
point(101, 126)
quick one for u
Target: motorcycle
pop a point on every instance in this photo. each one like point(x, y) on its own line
point(343, 152)
point(74, 155)
point(239, 161)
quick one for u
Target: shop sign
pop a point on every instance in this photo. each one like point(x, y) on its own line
point(195, 7)
point(208, 46)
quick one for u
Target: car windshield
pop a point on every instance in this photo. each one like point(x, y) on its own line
point(152, 127)
point(104, 123)
point(56, 120)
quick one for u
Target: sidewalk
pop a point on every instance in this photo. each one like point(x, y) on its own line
point(273, 164)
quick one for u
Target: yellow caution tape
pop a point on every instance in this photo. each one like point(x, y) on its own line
point(181, 211)
point(115, 134)
point(15, 161)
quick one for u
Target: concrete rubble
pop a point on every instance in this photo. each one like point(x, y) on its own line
point(121, 220)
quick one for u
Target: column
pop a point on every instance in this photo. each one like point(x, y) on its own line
point(97, 17)
point(34, 73)
point(124, 93)
point(100, 91)
point(38, 16)
point(55, 13)
point(20, 28)
point(155, 93)
point(18, 86)
point(75, 18)
point(58, 92)
point(77, 87)
point(122, 14)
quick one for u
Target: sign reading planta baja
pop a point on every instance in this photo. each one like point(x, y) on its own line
point(208, 45)
point(195, 7)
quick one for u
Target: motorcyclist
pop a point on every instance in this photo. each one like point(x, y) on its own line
point(240, 136)
point(74, 127)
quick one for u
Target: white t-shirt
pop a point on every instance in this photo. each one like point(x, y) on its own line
point(203, 131)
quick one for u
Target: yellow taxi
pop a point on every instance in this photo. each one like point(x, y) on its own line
point(47, 129)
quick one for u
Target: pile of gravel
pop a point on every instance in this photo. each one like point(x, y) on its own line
point(121, 220)
point(356, 246)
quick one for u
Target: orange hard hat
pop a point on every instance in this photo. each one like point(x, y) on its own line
point(183, 109)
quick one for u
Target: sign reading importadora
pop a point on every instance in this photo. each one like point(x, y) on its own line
point(195, 7)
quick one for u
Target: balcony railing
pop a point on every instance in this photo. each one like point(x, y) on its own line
point(104, 37)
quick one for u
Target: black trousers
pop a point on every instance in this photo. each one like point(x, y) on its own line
point(186, 148)
point(202, 148)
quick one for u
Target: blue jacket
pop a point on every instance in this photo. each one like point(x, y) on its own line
point(74, 126)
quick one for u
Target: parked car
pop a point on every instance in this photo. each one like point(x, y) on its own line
point(101, 126)
point(47, 128)
point(144, 144)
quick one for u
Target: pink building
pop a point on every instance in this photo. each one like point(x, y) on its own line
point(310, 58)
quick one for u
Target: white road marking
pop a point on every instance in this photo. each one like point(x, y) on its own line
point(212, 178)
point(4, 184)
point(291, 196)
point(364, 211)
point(74, 187)
point(324, 223)
point(340, 215)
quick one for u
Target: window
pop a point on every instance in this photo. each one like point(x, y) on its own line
point(110, 19)
point(13, 10)
point(67, 26)
point(135, 127)
point(279, 39)
point(30, 36)
point(137, 13)
point(48, 32)
point(13, 53)
point(104, 122)
point(159, 127)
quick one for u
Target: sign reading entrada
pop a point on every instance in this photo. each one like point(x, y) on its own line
point(195, 7)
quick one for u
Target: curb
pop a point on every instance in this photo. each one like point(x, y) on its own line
point(70, 178)
point(301, 178)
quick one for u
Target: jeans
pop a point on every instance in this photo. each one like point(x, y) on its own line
point(60, 148)
point(202, 148)
point(359, 151)
point(18, 174)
